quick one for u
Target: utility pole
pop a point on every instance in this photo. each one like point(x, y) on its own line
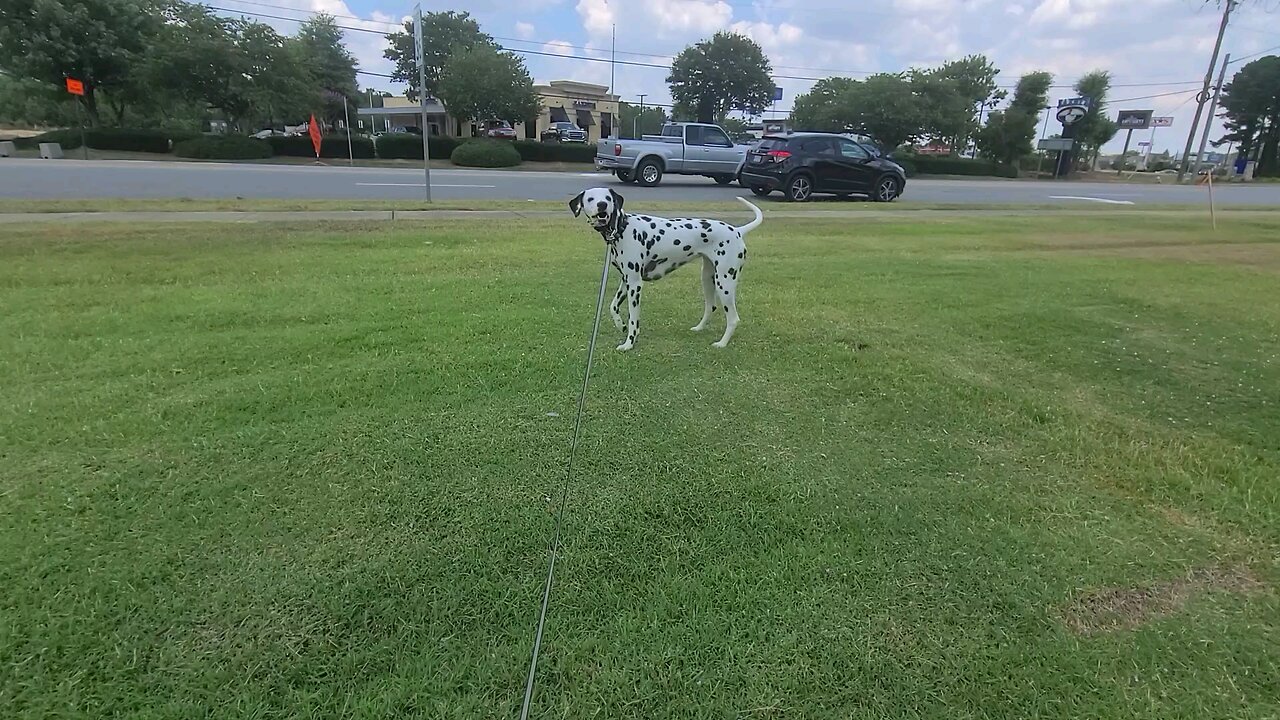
point(1203, 95)
point(422, 96)
point(1043, 133)
point(635, 131)
point(1213, 107)
point(613, 60)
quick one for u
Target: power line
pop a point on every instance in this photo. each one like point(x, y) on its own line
point(1260, 52)
point(629, 63)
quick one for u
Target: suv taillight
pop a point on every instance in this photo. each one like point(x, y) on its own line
point(778, 155)
point(617, 149)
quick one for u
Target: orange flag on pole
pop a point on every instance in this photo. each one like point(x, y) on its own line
point(313, 130)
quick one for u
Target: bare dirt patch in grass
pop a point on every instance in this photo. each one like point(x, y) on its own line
point(1111, 609)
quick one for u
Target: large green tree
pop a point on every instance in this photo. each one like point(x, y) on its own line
point(100, 42)
point(883, 106)
point(1008, 134)
point(481, 83)
point(1251, 108)
point(1095, 129)
point(953, 96)
point(727, 72)
point(319, 47)
point(648, 121)
point(443, 34)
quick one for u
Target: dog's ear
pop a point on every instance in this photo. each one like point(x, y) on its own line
point(617, 201)
point(575, 205)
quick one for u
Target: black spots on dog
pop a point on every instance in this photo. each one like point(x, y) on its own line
point(706, 225)
point(675, 241)
point(733, 273)
point(742, 254)
point(688, 226)
point(687, 248)
point(705, 239)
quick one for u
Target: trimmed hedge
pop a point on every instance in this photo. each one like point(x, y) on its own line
point(407, 146)
point(330, 147)
point(535, 151)
point(926, 165)
point(223, 147)
point(129, 139)
point(486, 154)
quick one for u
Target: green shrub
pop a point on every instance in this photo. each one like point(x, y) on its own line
point(534, 151)
point(930, 165)
point(486, 153)
point(407, 146)
point(128, 139)
point(330, 147)
point(223, 147)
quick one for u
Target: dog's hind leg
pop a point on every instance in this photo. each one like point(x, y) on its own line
point(727, 292)
point(708, 294)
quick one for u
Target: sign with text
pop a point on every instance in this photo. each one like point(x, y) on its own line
point(1161, 122)
point(1070, 110)
point(1056, 144)
point(777, 94)
point(75, 87)
point(1133, 119)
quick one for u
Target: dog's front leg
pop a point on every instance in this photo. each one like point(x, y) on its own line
point(633, 312)
point(616, 305)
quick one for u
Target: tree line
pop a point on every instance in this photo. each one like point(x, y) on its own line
point(166, 63)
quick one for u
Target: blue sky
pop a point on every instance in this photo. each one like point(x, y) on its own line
point(1155, 47)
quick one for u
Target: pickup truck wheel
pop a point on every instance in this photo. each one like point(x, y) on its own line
point(649, 173)
point(626, 176)
point(723, 179)
point(800, 189)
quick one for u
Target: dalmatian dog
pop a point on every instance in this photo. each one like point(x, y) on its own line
point(645, 248)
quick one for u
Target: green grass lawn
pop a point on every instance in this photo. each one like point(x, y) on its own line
point(949, 468)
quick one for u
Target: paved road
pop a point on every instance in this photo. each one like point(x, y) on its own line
point(52, 179)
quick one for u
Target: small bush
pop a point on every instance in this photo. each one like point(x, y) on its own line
point(330, 147)
point(485, 153)
point(534, 151)
point(223, 147)
point(128, 139)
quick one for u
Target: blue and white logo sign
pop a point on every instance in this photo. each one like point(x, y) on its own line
point(1071, 110)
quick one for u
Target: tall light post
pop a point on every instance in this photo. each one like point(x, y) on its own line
point(1203, 96)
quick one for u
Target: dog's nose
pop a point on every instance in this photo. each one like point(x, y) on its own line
point(600, 206)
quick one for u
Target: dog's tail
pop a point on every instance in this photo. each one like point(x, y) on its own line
point(754, 223)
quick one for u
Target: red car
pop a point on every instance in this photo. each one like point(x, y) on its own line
point(499, 129)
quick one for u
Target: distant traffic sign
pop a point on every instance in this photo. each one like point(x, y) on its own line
point(75, 87)
point(1161, 122)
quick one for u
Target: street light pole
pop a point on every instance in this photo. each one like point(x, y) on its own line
point(1203, 95)
point(422, 97)
point(635, 124)
point(1040, 153)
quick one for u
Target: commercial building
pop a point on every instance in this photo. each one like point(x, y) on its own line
point(591, 107)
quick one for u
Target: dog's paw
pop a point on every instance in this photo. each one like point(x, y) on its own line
point(699, 327)
point(625, 347)
point(720, 344)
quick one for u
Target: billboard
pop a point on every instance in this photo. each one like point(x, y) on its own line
point(1134, 119)
point(1162, 122)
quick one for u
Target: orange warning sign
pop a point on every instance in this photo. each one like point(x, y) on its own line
point(75, 87)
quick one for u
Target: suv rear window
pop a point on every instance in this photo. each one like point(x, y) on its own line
point(768, 144)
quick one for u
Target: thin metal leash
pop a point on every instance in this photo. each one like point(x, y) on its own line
point(564, 493)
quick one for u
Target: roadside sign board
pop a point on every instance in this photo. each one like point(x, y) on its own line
point(1162, 122)
point(1133, 119)
point(1070, 110)
point(1058, 144)
point(75, 87)
point(777, 94)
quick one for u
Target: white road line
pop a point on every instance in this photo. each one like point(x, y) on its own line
point(1091, 199)
point(434, 185)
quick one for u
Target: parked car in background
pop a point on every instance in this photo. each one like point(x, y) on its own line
point(499, 130)
point(804, 164)
point(565, 132)
point(681, 149)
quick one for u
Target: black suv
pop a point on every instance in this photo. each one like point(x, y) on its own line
point(801, 164)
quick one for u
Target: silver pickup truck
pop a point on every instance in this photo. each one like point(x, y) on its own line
point(681, 149)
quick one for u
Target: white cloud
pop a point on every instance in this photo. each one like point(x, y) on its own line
point(525, 31)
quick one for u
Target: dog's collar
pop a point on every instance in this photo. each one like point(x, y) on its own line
point(612, 232)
